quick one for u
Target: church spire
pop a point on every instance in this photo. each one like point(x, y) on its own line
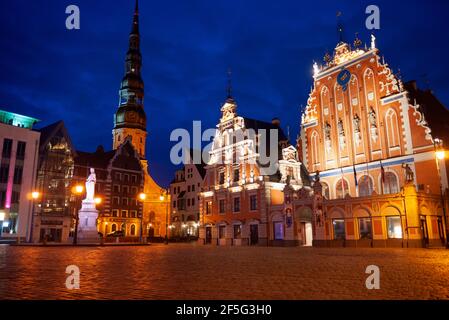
point(130, 118)
point(135, 26)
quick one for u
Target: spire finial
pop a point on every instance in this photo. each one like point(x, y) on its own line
point(135, 26)
point(340, 26)
point(357, 41)
point(229, 86)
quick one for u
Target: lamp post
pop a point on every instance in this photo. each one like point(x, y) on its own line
point(34, 196)
point(162, 198)
point(440, 155)
point(77, 191)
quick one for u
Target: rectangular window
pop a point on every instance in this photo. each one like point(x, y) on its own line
point(188, 188)
point(133, 214)
point(125, 189)
point(7, 148)
point(21, 147)
point(2, 199)
point(237, 204)
point(209, 207)
point(339, 229)
point(365, 228)
point(124, 213)
point(193, 187)
point(4, 171)
point(134, 190)
point(116, 201)
point(15, 197)
point(236, 175)
point(134, 178)
point(394, 227)
point(118, 176)
point(115, 213)
point(237, 231)
point(222, 206)
point(188, 202)
point(222, 178)
point(126, 177)
point(193, 202)
point(18, 172)
point(125, 201)
point(222, 232)
point(116, 188)
point(253, 202)
point(174, 204)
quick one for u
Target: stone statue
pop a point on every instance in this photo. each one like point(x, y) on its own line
point(327, 131)
point(372, 118)
point(409, 174)
point(356, 123)
point(90, 186)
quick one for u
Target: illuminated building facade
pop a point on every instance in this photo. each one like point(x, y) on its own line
point(184, 190)
point(366, 135)
point(52, 216)
point(19, 146)
point(130, 124)
point(120, 179)
point(240, 187)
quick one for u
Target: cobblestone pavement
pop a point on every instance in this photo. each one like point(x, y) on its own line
point(179, 271)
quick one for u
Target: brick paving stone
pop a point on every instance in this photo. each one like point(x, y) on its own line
point(179, 271)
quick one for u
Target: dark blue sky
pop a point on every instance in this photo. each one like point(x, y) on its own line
point(52, 73)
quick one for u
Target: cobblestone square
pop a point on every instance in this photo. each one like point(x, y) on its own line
point(179, 271)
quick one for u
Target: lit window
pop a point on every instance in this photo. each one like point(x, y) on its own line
point(342, 189)
point(394, 227)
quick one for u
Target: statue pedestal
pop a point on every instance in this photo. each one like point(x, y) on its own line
point(87, 226)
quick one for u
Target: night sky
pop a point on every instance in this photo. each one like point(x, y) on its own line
point(52, 73)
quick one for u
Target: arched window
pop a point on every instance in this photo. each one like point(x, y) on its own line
point(391, 126)
point(342, 189)
point(390, 184)
point(366, 186)
point(314, 147)
point(133, 230)
point(325, 191)
point(114, 227)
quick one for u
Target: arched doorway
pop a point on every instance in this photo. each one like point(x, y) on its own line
point(304, 231)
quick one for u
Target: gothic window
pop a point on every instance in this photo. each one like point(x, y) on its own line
point(114, 227)
point(391, 184)
point(366, 186)
point(342, 189)
point(391, 126)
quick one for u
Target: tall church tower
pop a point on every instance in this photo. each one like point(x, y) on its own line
point(130, 119)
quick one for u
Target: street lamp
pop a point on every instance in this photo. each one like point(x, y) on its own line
point(142, 197)
point(77, 191)
point(440, 155)
point(35, 195)
point(162, 198)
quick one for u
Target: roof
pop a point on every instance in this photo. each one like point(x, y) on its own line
point(257, 125)
point(97, 159)
point(51, 130)
point(435, 113)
